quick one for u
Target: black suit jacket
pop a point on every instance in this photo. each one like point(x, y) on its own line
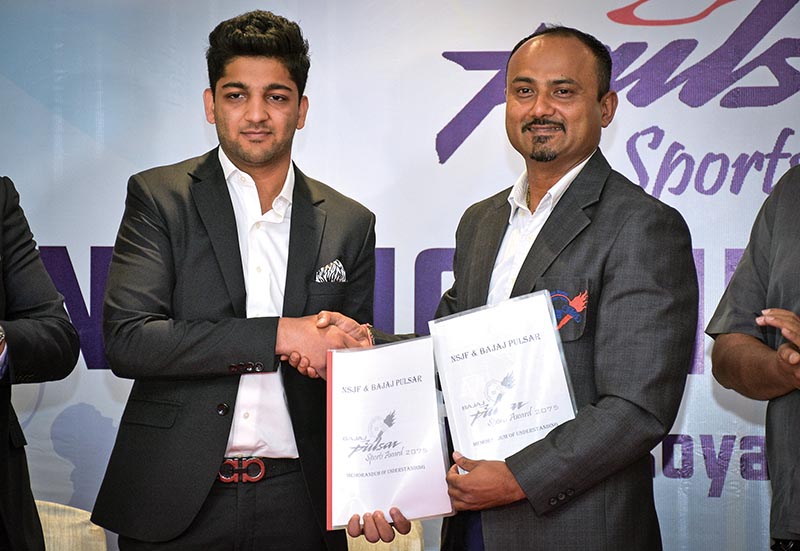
point(42, 346)
point(588, 483)
point(174, 320)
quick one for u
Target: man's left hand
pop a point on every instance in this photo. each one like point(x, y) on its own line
point(487, 484)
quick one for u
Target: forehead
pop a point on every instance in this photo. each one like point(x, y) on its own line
point(549, 58)
point(256, 72)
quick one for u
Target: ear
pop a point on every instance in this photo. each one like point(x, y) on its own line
point(208, 102)
point(302, 112)
point(608, 106)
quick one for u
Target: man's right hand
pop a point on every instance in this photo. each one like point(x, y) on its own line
point(351, 334)
point(305, 341)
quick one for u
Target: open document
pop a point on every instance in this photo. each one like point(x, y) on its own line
point(385, 445)
point(503, 375)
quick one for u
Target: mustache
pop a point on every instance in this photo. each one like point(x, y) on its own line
point(542, 122)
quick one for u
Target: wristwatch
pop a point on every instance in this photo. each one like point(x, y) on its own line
point(2, 335)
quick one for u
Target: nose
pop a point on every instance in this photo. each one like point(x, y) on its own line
point(541, 106)
point(256, 110)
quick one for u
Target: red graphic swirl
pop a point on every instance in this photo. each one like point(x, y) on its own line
point(626, 15)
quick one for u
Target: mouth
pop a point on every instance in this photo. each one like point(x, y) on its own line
point(255, 135)
point(543, 127)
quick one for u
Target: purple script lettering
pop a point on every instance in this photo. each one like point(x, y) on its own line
point(713, 166)
point(700, 83)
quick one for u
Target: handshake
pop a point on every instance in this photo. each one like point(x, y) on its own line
point(304, 342)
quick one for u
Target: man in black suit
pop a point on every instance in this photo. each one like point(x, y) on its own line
point(37, 343)
point(217, 257)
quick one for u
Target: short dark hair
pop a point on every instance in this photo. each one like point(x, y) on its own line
point(258, 33)
point(601, 53)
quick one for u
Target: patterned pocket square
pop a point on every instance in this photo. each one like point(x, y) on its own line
point(331, 273)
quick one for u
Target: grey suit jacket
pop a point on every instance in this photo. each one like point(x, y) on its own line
point(589, 482)
point(174, 320)
point(42, 346)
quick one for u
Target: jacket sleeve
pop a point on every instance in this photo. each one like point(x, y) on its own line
point(42, 343)
point(143, 336)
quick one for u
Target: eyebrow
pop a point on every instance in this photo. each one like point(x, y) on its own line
point(557, 82)
point(268, 88)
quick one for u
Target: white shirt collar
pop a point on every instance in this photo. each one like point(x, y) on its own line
point(518, 196)
point(234, 176)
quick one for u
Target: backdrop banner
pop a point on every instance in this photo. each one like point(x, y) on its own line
point(406, 116)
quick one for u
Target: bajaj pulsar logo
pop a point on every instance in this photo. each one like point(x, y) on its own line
point(376, 445)
point(776, 79)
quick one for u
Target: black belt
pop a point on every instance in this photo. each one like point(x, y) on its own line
point(253, 469)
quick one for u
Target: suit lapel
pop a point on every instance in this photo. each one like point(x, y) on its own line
point(564, 224)
point(305, 237)
point(489, 234)
point(211, 196)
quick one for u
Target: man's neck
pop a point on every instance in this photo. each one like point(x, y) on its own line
point(269, 180)
point(543, 176)
point(540, 179)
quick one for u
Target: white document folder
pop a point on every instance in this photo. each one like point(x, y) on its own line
point(385, 439)
point(503, 375)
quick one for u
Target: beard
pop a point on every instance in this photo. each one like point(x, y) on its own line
point(541, 153)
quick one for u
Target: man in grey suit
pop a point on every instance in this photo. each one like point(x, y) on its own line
point(619, 266)
point(37, 343)
point(216, 260)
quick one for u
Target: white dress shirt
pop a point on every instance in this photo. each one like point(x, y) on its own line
point(261, 422)
point(523, 228)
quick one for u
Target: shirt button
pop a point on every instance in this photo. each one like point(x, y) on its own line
point(258, 269)
point(246, 415)
point(223, 409)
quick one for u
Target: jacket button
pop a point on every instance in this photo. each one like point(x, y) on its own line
point(223, 409)
point(553, 501)
point(570, 492)
point(259, 367)
point(562, 496)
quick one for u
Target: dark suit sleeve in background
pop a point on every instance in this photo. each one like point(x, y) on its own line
point(42, 343)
